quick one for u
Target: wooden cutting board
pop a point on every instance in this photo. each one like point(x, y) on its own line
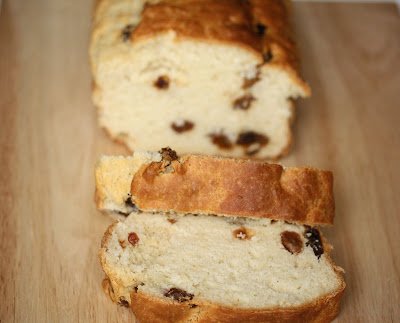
point(49, 141)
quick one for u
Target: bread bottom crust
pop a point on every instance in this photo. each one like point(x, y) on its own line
point(148, 308)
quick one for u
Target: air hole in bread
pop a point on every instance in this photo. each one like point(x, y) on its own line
point(162, 83)
point(126, 32)
point(178, 295)
point(244, 102)
point(182, 126)
point(292, 242)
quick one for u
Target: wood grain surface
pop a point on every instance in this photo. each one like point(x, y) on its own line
point(49, 141)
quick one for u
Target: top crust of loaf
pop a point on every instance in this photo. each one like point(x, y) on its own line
point(210, 185)
point(213, 185)
point(232, 22)
point(260, 26)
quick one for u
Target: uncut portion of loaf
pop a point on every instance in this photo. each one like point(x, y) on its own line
point(208, 76)
point(199, 268)
point(213, 185)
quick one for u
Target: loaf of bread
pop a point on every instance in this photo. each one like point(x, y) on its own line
point(206, 76)
point(213, 185)
point(202, 268)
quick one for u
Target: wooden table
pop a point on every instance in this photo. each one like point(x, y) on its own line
point(49, 141)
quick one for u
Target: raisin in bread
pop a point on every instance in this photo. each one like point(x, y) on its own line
point(202, 268)
point(213, 185)
point(208, 76)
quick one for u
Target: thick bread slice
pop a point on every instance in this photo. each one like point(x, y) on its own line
point(212, 185)
point(210, 76)
point(198, 268)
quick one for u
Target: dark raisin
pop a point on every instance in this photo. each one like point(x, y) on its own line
point(267, 56)
point(178, 295)
point(253, 141)
point(182, 127)
point(242, 233)
point(250, 137)
point(162, 82)
point(243, 102)
point(292, 242)
point(126, 32)
point(172, 221)
point(273, 221)
point(168, 154)
point(261, 29)
point(314, 241)
point(123, 302)
point(192, 306)
point(133, 238)
point(221, 140)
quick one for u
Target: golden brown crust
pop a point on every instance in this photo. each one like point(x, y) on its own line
point(149, 309)
point(237, 188)
point(261, 26)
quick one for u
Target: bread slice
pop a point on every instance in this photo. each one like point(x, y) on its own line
point(211, 185)
point(201, 268)
point(210, 76)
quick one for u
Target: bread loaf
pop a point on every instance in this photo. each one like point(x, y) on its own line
point(208, 76)
point(201, 268)
point(212, 185)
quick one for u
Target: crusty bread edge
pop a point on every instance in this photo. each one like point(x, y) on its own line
point(298, 194)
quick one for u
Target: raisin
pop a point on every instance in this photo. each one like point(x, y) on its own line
point(172, 221)
point(244, 102)
point(162, 82)
point(273, 221)
point(126, 32)
point(261, 29)
point(193, 306)
point(242, 233)
point(314, 241)
point(123, 302)
point(222, 141)
point(267, 56)
point(168, 154)
point(178, 295)
point(182, 126)
point(292, 242)
point(133, 238)
point(250, 137)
